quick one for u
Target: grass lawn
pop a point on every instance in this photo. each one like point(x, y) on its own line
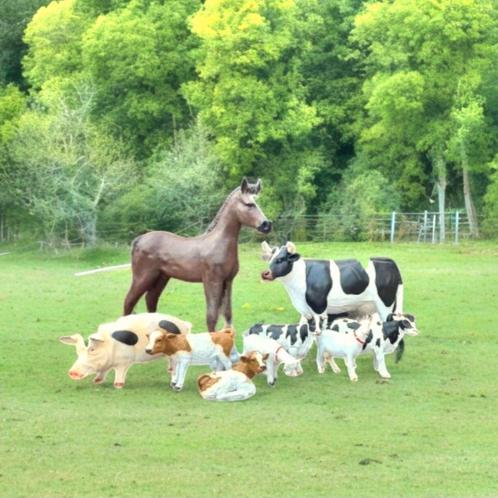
point(431, 431)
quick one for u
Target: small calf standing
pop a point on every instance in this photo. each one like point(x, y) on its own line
point(234, 384)
point(295, 339)
point(275, 354)
point(347, 338)
point(192, 349)
point(118, 345)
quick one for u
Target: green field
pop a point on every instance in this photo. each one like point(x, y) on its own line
point(430, 431)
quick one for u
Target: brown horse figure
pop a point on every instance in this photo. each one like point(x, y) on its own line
point(210, 258)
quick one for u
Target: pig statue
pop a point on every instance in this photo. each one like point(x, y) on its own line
point(118, 345)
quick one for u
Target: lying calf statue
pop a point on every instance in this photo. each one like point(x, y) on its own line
point(118, 345)
point(347, 338)
point(208, 348)
point(235, 384)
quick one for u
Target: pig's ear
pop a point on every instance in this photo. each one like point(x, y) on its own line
point(73, 340)
point(96, 339)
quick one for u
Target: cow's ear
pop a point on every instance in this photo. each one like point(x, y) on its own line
point(390, 317)
point(267, 252)
point(244, 185)
point(294, 257)
point(291, 247)
point(243, 359)
point(169, 335)
point(265, 356)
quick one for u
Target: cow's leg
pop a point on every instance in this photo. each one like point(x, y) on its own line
point(243, 391)
point(333, 365)
point(350, 364)
point(381, 363)
point(224, 360)
point(320, 360)
point(181, 372)
point(213, 290)
point(120, 376)
point(139, 285)
point(171, 369)
point(271, 371)
point(154, 293)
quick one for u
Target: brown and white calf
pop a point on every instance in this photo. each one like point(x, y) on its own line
point(347, 338)
point(118, 345)
point(208, 348)
point(235, 384)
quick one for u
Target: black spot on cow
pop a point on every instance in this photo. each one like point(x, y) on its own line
point(353, 325)
point(256, 329)
point(335, 328)
point(303, 332)
point(331, 317)
point(387, 279)
point(318, 284)
point(354, 278)
point(292, 332)
point(312, 324)
point(274, 331)
point(368, 339)
point(377, 343)
point(169, 326)
point(390, 331)
point(125, 336)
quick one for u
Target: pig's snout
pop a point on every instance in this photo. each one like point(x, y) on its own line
point(75, 375)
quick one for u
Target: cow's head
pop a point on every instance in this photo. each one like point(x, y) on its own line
point(398, 325)
point(281, 260)
point(247, 210)
point(92, 359)
point(254, 363)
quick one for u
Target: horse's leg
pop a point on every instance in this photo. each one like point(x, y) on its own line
point(139, 285)
point(226, 304)
point(213, 289)
point(153, 294)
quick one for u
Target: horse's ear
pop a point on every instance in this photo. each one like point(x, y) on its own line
point(244, 185)
point(257, 187)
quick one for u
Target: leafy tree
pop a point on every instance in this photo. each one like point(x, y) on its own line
point(416, 52)
point(250, 92)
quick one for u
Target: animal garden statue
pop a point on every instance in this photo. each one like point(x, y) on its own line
point(210, 258)
point(120, 344)
point(318, 287)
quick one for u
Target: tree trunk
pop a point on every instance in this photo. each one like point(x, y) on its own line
point(469, 203)
point(440, 167)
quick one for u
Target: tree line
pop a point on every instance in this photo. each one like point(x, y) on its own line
point(118, 116)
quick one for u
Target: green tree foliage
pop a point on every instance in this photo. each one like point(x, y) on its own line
point(250, 91)
point(14, 15)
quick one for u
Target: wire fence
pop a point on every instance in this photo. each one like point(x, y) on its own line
point(422, 227)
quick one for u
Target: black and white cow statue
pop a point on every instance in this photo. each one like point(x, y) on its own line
point(318, 287)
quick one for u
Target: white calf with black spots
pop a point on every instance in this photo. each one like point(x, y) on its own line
point(347, 338)
point(118, 345)
point(318, 287)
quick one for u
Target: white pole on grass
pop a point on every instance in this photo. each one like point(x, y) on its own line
point(393, 225)
point(433, 228)
point(99, 270)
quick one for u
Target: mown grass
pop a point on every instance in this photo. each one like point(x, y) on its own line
point(430, 431)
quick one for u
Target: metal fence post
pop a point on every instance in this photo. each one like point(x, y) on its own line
point(393, 225)
point(457, 225)
point(433, 228)
point(425, 226)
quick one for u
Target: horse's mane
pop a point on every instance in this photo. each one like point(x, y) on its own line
point(215, 220)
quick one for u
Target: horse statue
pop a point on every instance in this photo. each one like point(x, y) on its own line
point(210, 258)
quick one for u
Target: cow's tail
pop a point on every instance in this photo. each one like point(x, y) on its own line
point(399, 351)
